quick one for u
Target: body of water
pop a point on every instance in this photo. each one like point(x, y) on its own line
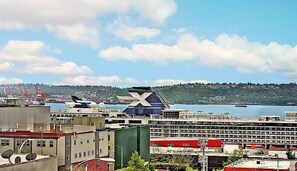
point(251, 111)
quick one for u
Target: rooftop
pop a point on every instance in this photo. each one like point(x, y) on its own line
point(22, 156)
point(263, 164)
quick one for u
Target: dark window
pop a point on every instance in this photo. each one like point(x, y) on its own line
point(51, 143)
point(18, 142)
point(40, 143)
point(4, 142)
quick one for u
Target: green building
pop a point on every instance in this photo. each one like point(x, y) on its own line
point(130, 139)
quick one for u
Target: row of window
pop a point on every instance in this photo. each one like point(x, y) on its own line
point(82, 141)
point(40, 143)
point(85, 153)
point(4, 142)
point(87, 141)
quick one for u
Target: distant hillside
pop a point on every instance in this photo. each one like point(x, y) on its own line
point(95, 93)
point(194, 93)
point(247, 93)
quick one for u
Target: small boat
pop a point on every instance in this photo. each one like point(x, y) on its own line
point(240, 105)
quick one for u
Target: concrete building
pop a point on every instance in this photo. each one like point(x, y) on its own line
point(75, 145)
point(44, 163)
point(25, 118)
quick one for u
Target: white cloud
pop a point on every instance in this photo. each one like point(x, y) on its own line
point(77, 34)
point(90, 80)
point(27, 57)
point(130, 80)
point(225, 50)
point(126, 29)
point(4, 80)
point(70, 20)
point(162, 82)
point(6, 66)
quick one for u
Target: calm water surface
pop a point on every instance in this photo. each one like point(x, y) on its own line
point(251, 111)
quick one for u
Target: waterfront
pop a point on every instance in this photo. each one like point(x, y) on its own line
point(251, 111)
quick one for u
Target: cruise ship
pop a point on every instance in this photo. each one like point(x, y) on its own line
point(148, 107)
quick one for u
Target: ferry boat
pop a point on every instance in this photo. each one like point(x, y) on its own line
point(148, 107)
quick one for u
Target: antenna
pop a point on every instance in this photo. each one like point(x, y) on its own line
point(7, 154)
point(31, 156)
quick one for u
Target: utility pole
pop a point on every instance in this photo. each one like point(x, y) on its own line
point(204, 158)
point(276, 155)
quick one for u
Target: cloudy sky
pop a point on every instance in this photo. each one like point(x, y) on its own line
point(155, 42)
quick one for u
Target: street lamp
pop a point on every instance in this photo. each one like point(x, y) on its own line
point(122, 154)
point(29, 139)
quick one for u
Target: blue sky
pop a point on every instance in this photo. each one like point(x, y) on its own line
point(156, 42)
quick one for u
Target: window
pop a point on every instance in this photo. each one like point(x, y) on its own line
point(89, 153)
point(93, 139)
point(28, 143)
point(75, 155)
point(68, 143)
point(41, 143)
point(92, 152)
point(85, 154)
point(81, 141)
point(68, 157)
point(108, 137)
point(100, 150)
point(4, 142)
point(79, 155)
point(88, 140)
point(51, 143)
point(18, 142)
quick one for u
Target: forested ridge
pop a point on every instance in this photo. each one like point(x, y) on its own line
point(191, 93)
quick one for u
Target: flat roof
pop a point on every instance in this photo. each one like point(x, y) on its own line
point(27, 134)
point(23, 158)
point(263, 164)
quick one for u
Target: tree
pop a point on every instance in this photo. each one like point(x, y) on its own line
point(190, 169)
point(136, 163)
point(290, 154)
point(237, 154)
point(175, 162)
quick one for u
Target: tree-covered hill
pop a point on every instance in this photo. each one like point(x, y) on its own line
point(192, 93)
point(247, 93)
